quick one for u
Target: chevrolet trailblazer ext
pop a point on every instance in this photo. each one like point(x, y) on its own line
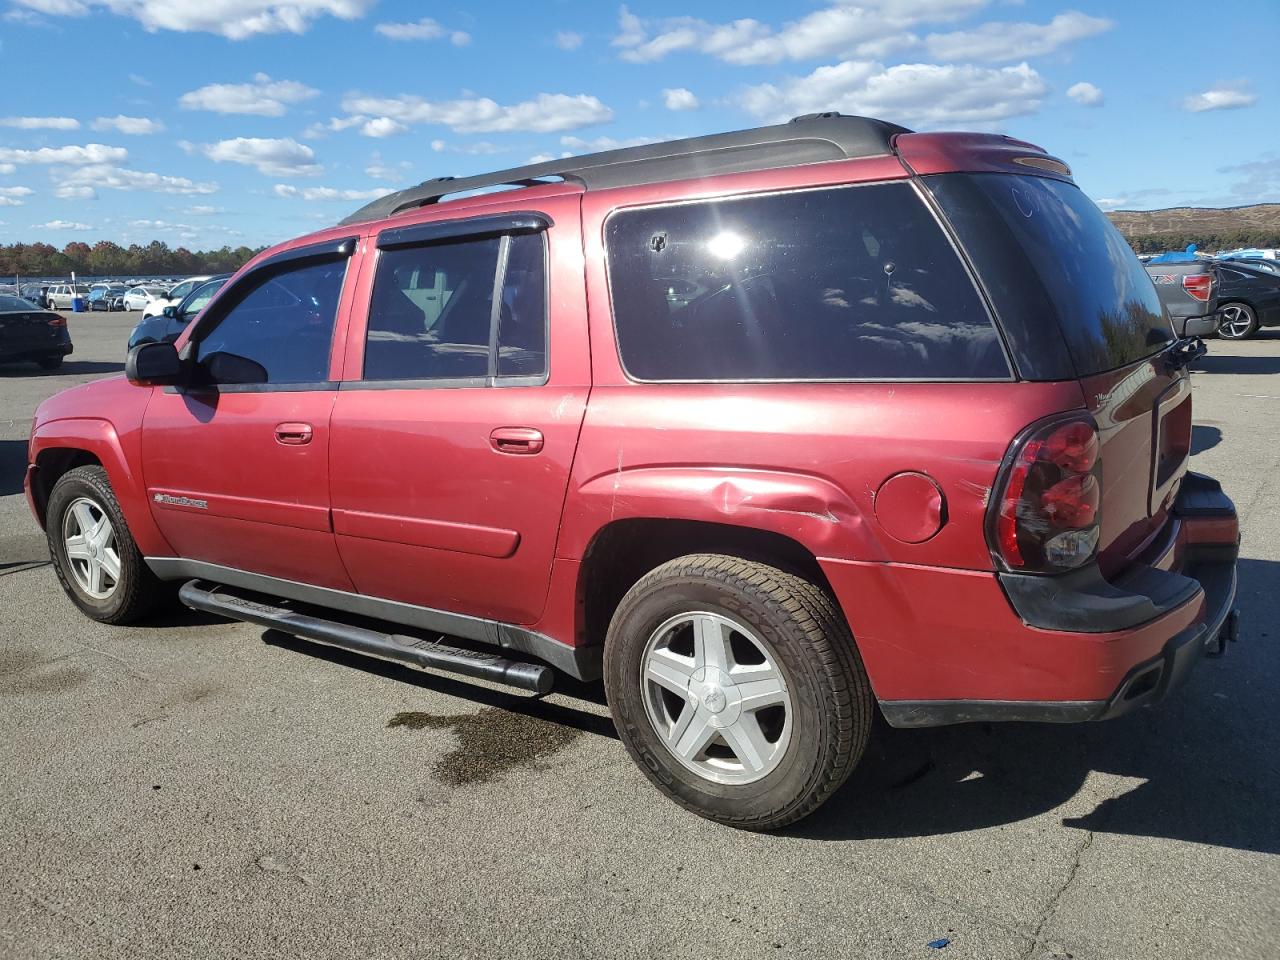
point(771, 429)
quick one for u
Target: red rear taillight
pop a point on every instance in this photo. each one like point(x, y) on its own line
point(1199, 286)
point(57, 321)
point(1046, 512)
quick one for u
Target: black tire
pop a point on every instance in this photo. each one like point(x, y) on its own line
point(1243, 322)
point(138, 591)
point(50, 363)
point(805, 633)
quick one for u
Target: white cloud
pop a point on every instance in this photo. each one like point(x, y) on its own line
point(10, 201)
point(1085, 94)
point(1219, 98)
point(424, 29)
point(235, 19)
point(263, 97)
point(382, 127)
point(70, 192)
point(678, 98)
point(41, 123)
point(202, 210)
point(276, 158)
point(1000, 41)
point(7, 168)
point(921, 94)
point(545, 113)
point(133, 126)
point(385, 171)
point(16, 191)
point(328, 193)
point(89, 153)
point(1110, 203)
point(568, 40)
point(62, 225)
point(597, 144)
point(873, 28)
point(478, 148)
point(81, 182)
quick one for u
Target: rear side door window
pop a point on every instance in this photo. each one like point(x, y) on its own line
point(848, 283)
point(467, 311)
point(277, 328)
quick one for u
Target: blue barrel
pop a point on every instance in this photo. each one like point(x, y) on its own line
point(77, 304)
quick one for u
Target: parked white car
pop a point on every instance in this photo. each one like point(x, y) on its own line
point(141, 298)
point(176, 296)
point(60, 295)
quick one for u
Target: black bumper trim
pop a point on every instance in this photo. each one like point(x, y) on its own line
point(1083, 601)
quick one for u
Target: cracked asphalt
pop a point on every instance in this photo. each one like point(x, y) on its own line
point(196, 788)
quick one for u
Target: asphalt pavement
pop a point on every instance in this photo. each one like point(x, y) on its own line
point(198, 788)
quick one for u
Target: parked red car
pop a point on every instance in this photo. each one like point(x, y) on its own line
point(772, 429)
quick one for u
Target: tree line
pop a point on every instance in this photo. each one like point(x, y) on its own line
point(107, 259)
point(1209, 242)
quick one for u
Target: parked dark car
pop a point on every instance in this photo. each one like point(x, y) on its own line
point(107, 298)
point(30, 333)
point(1248, 298)
point(166, 327)
point(37, 293)
point(1188, 288)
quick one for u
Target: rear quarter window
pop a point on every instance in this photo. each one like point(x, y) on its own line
point(1060, 275)
point(848, 283)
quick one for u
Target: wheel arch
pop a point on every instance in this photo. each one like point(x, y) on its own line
point(623, 551)
point(60, 446)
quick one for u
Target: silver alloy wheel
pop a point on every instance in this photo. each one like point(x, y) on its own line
point(90, 542)
point(717, 698)
point(1236, 321)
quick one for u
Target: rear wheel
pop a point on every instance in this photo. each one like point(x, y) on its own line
point(1239, 322)
point(737, 688)
point(50, 363)
point(99, 565)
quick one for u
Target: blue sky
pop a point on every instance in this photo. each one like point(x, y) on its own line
point(211, 122)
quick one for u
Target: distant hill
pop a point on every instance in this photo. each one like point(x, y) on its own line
point(1210, 227)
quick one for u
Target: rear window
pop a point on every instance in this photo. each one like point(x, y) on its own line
point(1046, 253)
point(850, 283)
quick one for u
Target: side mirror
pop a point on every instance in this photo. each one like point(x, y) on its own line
point(153, 365)
point(170, 312)
point(232, 368)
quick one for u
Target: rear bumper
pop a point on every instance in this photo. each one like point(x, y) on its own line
point(951, 646)
point(36, 351)
point(1200, 326)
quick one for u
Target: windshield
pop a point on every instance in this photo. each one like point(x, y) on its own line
point(1046, 252)
point(10, 304)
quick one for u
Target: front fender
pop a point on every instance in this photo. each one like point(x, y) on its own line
point(810, 510)
point(118, 456)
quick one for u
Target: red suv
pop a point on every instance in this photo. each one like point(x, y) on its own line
point(771, 429)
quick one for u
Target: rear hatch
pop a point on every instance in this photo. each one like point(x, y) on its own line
point(1074, 302)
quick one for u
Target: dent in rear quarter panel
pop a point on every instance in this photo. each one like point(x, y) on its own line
point(801, 459)
point(104, 418)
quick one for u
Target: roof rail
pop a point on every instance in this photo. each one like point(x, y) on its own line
point(812, 138)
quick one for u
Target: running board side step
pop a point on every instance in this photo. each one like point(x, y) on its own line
point(414, 651)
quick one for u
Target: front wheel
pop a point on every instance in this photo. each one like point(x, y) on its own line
point(97, 562)
point(737, 688)
point(1239, 322)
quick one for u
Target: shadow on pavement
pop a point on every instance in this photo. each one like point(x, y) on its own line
point(69, 368)
point(1219, 363)
point(1204, 438)
point(1207, 764)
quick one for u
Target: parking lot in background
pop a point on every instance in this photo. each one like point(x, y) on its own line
point(198, 788)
